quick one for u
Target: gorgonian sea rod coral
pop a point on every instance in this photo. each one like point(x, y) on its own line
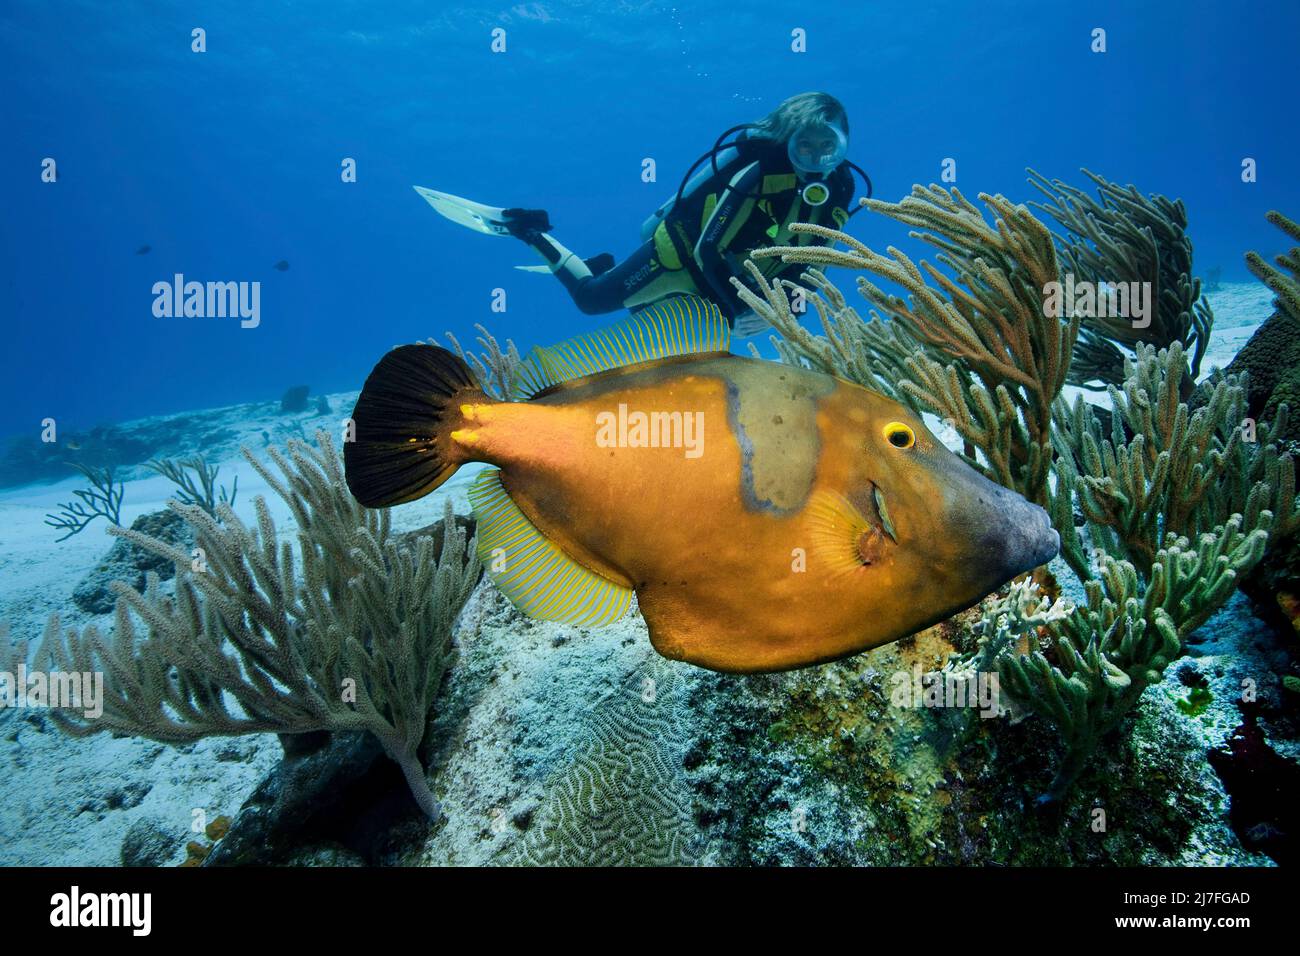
point(1125, 237)
point(980, 351)
point(1176, 505)
point(349, 631)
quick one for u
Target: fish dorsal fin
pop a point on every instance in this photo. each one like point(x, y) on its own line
point(682, 325)
point(532, 571)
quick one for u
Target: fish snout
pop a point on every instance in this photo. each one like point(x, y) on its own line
point(1020, 533)
point(1000, 533)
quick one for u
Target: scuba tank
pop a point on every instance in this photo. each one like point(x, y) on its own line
point(687, 188)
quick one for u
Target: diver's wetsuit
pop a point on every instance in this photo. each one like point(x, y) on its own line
point(706, 237)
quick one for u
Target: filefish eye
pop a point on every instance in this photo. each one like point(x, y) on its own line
point(899, 435)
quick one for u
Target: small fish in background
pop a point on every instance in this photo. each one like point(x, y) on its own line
point(766, 517)
point(144, 250)
point(281, 266)
point(74, 446)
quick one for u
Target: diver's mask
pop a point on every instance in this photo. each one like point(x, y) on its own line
point(818, 149)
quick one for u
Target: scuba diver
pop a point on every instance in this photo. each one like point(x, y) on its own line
point(788, 167)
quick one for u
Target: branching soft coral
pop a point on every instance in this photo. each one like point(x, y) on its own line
point(1105, 654)
point(1123, 236)
point(360, 642)
point(1178, 507)
point(102, 499)
point(978, 350)
point(1164, 469)
point(495, 368)
point(1285, 287)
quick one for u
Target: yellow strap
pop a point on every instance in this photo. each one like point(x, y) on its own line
point(779, 183)
point(665, 251)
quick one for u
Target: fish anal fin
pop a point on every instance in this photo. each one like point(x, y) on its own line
point(537, 576)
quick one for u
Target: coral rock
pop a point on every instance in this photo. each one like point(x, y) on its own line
point(147, 843)
point(129, 562)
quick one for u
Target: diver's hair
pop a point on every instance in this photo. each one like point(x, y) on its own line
point(799, 111)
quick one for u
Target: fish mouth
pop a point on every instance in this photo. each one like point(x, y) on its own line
point(1050, 541)
point(1028, 539)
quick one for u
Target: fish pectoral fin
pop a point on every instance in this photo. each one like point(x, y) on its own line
point(531, 570)
point(841, 539)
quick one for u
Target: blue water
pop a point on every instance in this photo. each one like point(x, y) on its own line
point(227, 161)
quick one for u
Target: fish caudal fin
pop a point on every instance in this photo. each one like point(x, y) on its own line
point(532, 571)
point(401, 447)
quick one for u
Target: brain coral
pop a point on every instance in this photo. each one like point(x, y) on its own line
point(622, 800)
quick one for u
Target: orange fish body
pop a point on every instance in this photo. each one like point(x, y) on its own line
point(766, 516)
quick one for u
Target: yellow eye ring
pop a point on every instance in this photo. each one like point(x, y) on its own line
point(899, 435)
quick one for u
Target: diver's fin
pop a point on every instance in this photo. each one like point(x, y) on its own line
point(749, 323)
point(543, 270)
point(682, 325)
point(400, 449)
point(520, 221)
point(491, 220)
point(531, 570)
